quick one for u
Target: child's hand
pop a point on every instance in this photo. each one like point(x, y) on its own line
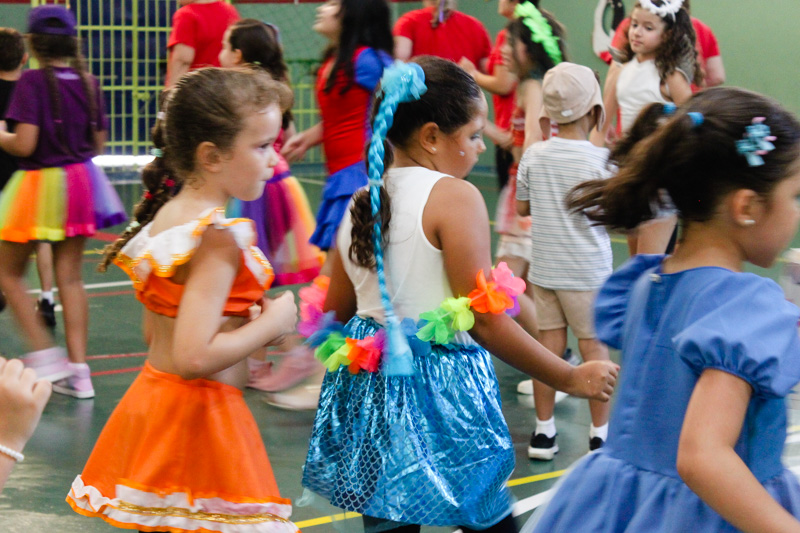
point(22, 399)
point(295, 148)
point(468, 66)
point(280, 313)
point(594, 380)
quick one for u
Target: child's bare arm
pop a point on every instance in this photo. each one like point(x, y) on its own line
point(200, 349)
point(458, 213)
point(341, 296)
point(709, 465)
point(22, 142)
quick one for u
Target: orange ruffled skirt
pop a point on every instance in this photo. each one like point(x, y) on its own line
point(181, 456)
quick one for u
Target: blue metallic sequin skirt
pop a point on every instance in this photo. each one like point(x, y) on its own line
point(432, 448)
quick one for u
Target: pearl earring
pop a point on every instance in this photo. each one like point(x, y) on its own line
point(433, 149)
point(461, 153)
point(748, 222)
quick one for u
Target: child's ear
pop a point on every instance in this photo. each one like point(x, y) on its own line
point(428, 136)
point(745, 207)
point(25, 58)
point(208, 156)
point(237, 54)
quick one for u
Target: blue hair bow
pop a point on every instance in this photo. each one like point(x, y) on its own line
point(757, 141)
point(406, 81)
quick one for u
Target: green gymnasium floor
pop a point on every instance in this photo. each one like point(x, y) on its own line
point(33, 500)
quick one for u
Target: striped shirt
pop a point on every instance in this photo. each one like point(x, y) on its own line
point(567, 253)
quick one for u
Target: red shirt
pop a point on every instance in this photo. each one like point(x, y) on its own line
point(503, 105)
point(458, 36)
point(202, 26)
point(345, 116)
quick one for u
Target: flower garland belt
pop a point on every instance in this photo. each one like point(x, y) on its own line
point(334, 349)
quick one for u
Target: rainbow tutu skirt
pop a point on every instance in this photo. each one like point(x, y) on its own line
point(52, 204)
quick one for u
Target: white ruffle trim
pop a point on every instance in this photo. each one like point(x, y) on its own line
point(175, 246)
point(139, 508)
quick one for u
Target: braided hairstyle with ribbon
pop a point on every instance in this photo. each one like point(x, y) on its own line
point(699, 155)
point(410, 95)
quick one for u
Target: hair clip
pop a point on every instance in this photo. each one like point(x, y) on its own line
point(757, 141)
point(697, 118)
point(148, 195)
point(667, 7)
point(157, 152)
point(161, 115)
point(169, 182)
point(669, 108)
point(257, 63)
point(133, 225)
point(541, 31)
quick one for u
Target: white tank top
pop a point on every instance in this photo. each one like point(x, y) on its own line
point(638, 85)
point(415, 274)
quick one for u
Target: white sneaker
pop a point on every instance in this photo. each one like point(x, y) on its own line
point(526, 387)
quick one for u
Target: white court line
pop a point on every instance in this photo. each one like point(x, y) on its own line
point(92, 286)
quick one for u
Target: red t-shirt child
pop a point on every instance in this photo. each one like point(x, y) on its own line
point(458, 36)
point(202, 26)
point(503, 104)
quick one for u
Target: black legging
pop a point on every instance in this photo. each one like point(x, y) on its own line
point(506, 525)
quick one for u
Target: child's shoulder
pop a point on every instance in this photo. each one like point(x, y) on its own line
point(558, 146)
point(162, 252)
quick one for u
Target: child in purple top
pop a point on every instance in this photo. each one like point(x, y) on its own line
point(58, 195)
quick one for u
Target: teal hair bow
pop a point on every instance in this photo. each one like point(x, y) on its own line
point(757, 141)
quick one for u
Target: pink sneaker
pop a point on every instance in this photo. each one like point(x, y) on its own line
point(78, 384)
point(297, 365)
point(50, 363)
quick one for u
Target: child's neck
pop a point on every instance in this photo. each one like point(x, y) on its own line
point(705, 244)
point(641, 58)
point(576, 131)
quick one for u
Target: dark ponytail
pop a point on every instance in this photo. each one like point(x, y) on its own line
point(693, 157)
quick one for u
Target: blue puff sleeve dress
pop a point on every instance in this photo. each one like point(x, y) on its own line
point(670, 328)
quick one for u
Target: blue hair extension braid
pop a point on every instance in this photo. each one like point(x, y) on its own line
point(402, 82)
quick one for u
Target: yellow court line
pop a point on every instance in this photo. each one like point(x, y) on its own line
point(348, 515)
point(326, 520)
point(534, 479)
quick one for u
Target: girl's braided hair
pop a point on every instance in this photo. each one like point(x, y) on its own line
point(207, 105)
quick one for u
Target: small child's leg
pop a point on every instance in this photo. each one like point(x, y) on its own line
point(13, 264)
point(594, 350)
point(68, 259)
point(544, 396)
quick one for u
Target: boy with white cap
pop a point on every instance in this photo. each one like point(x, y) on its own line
point(570, 258)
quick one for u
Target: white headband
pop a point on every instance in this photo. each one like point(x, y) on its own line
point(668, 7)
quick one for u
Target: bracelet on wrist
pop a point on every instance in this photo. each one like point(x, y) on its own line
point(17, 456)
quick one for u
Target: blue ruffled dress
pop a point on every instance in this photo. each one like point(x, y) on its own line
point(670, 328)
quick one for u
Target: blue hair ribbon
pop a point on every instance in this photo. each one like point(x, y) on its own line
point(402, 82)
point(757, 141)
point(697, 118)
point(669, 108)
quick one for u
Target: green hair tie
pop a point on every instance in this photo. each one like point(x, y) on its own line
point(541, 31)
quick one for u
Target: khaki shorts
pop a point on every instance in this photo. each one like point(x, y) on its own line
point(557, 309)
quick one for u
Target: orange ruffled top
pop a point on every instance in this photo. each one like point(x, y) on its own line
point(151, 261)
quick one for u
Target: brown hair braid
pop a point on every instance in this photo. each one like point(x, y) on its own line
point(206, 105)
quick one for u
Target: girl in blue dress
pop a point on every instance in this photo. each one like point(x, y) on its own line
point(409, 428)
point(709, 352)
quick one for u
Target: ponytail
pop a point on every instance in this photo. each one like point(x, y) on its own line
point(694, 158)
point(403, 82)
